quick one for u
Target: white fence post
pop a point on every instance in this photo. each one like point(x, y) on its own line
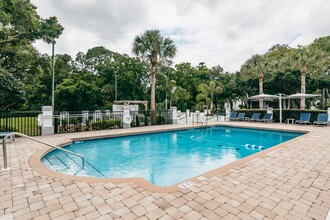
point(84, 117)
point(97, 115)
point(64, 116)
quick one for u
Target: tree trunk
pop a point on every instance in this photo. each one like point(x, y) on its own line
point(211, 104)
point(261, 88)
point(153, 60)
point(323, 99)
point(303, 73)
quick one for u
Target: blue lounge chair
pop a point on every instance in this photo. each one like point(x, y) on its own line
point(255, 117)
point(322, 119)
point(304, 118)
point(240, 116)
point(233, 116)
point(268, 117)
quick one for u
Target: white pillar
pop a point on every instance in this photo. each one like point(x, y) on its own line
point(47, 120)
point(127, 119)
point(227, 116)
point(174, 115)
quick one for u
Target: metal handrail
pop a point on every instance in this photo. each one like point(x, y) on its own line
point(4, 141)
point(198, 116)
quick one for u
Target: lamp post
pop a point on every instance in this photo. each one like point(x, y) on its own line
point(115, 85)
point(53, 75)
point(112, 60)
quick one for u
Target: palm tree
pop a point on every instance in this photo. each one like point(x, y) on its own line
point(257, 64)
point(302, 58)
point(170, 89)
point(151, 45)
point(207, 93)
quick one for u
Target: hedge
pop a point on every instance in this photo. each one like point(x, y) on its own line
point(286, 113)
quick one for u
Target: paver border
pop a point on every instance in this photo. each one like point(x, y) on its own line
point(36, 164)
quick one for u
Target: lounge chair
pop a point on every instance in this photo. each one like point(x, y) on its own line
point(232, 116)
point(268, 117)
point(240, 116)
point(304, 118)
point(322, 119)
point(255, 117)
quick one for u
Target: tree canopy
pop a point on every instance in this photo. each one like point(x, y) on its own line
point(88, 80)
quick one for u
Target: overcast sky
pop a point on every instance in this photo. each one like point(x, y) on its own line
point(217, 32)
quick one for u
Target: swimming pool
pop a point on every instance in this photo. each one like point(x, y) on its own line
point(164, 158)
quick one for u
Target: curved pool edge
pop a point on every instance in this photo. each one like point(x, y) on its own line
point(36, 164)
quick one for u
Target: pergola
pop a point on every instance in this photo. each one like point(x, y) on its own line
point(127, 102)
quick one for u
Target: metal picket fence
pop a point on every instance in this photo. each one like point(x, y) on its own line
point(23, 122)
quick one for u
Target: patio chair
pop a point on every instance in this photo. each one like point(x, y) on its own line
point(232, 116)
point(268, 117)
point(304, 118)
point(240, 116)
point(322, 119)
point(255, 117)
point(3, 134)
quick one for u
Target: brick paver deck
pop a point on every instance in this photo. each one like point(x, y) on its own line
point(292, 182)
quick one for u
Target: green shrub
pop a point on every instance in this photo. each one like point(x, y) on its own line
point(160, 120)
point(106, 124)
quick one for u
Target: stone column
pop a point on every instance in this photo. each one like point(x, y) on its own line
point(47, 126)
point(127, 119)
point(174, 114)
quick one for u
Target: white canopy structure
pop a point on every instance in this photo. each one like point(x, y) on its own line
point(267, 97)
point(300, 96)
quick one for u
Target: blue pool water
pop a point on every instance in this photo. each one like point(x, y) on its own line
point(164, 158)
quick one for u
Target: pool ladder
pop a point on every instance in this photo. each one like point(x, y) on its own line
point(13, 134)
point(199, 120)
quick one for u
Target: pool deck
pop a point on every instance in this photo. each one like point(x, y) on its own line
point(290, 181)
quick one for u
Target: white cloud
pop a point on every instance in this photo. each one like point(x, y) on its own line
point(225, 32)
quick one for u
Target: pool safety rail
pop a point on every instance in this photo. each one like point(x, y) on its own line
point(4, 141)
point(199, 119)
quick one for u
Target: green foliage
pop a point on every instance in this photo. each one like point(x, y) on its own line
point(77, 93)
point(206, 95)
point(151, 43)
point(12, 93)
point(50, 29)
point(105, 124)
point(87, 81)
point(161, 120)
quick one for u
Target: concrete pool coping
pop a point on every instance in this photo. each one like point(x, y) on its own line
point(36, 164)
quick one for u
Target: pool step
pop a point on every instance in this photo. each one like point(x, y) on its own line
point(68, 164)
point(56, 163)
